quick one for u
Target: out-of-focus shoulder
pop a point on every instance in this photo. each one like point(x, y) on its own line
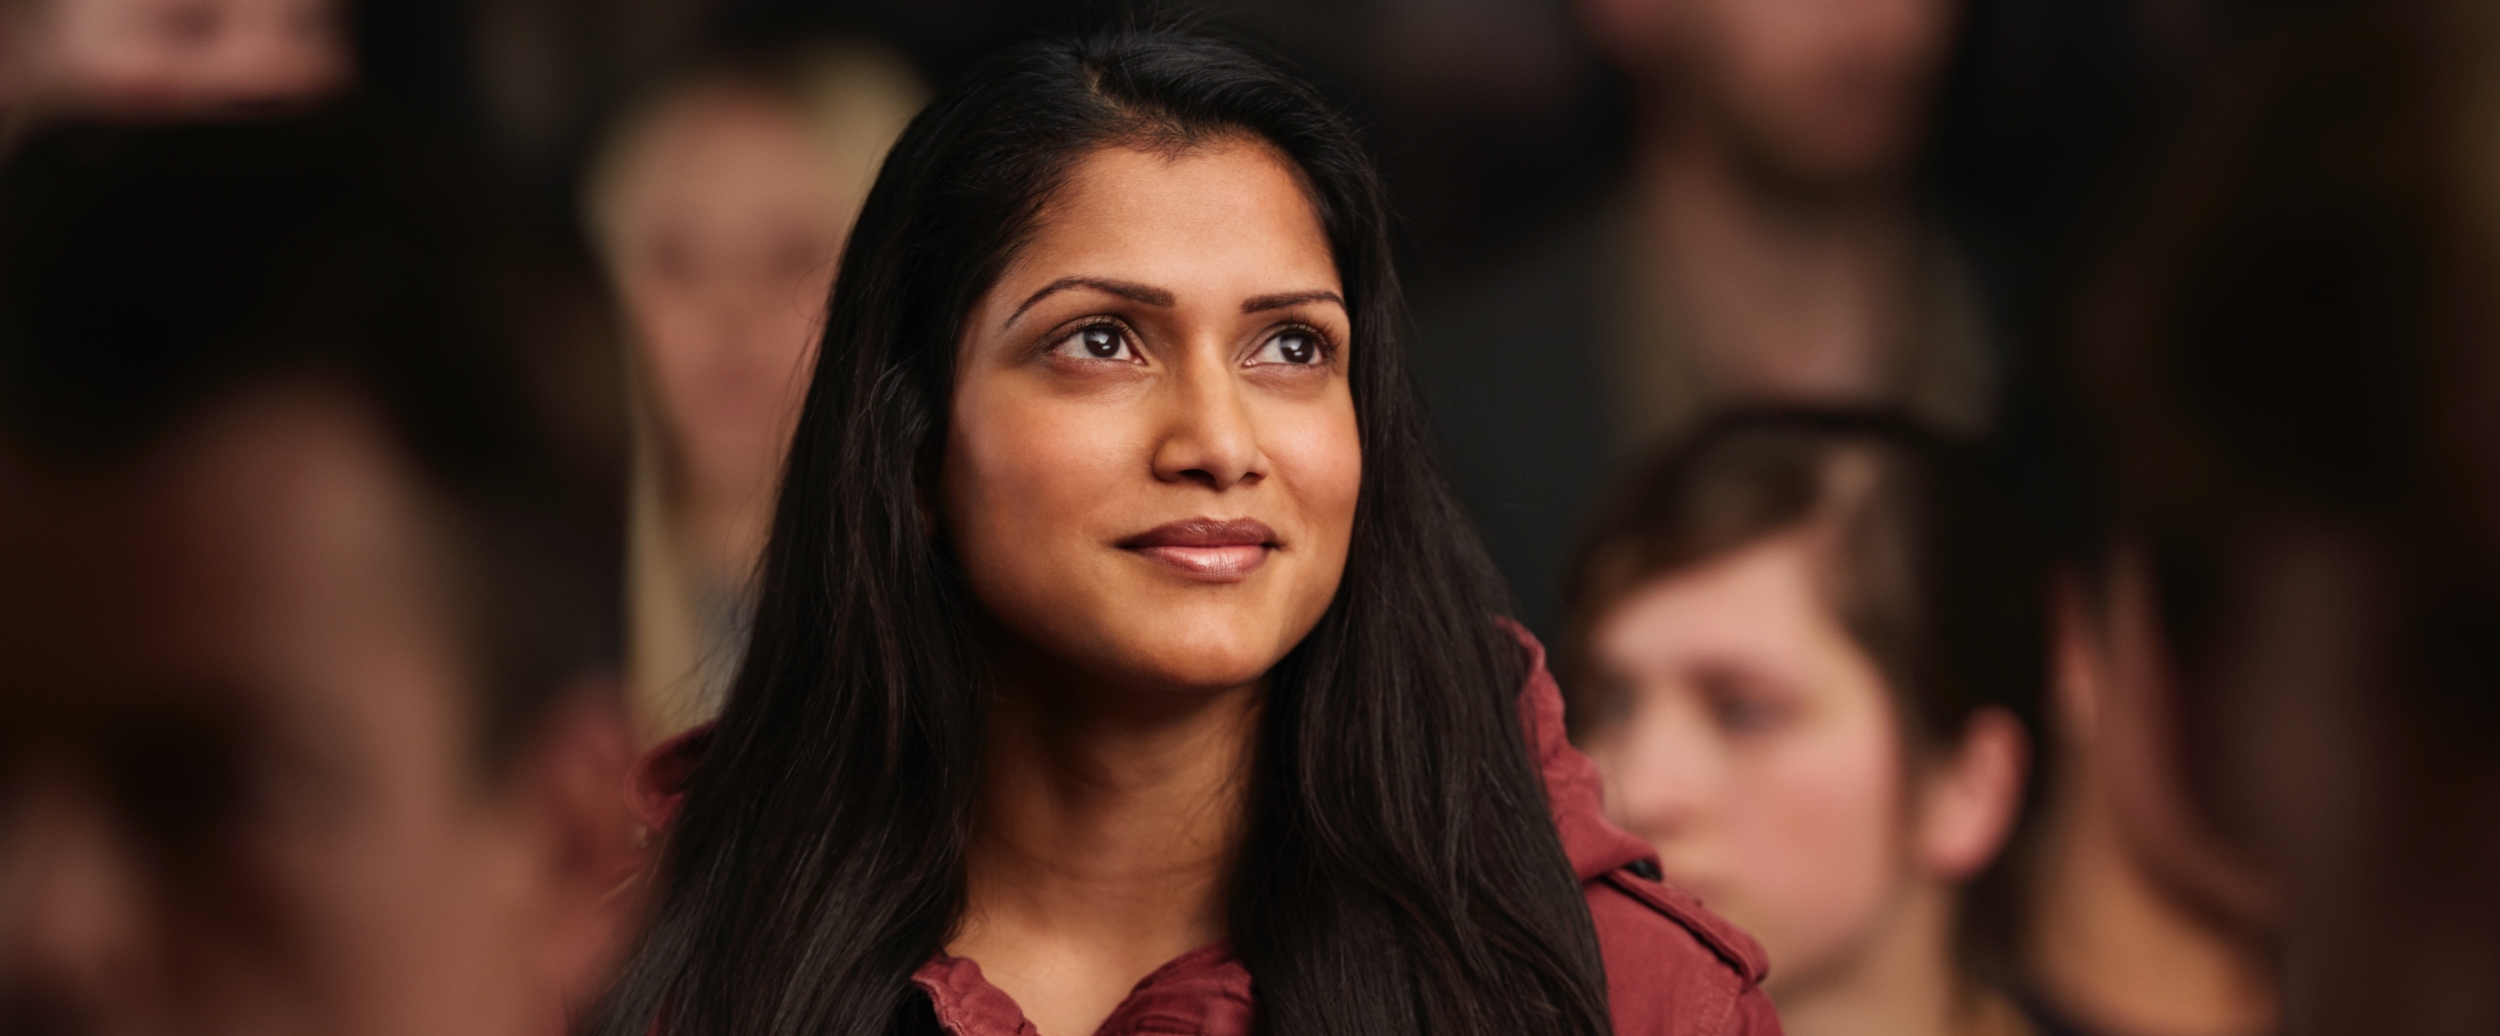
point(1672, 967)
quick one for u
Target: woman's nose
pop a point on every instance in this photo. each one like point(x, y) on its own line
point(1208, 435)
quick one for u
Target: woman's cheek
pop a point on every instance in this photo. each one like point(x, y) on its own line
point(1318, 447)
point(1822, 842)
point(1044, 450)
point(1024, 476)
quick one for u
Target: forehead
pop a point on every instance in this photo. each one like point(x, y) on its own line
point(719, 148)
point(274, 549)
point(1762, 600)
point(1227, 211)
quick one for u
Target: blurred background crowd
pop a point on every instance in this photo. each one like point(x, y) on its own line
point(2012, 486)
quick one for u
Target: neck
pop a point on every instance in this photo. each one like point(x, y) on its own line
point(1902, 982)
point(1108, 824)
point(1793, 289)
point(2109, 948)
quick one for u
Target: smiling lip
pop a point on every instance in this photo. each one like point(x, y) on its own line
point(1220, 551)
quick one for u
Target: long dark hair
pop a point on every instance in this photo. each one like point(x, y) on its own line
point(1401, 871)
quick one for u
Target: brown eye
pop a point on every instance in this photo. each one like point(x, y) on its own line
point(1096, 342)
point(1291, 347)
point(1743, 705)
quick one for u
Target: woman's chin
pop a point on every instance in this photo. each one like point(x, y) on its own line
point(1191, 646)
point(1185, 664)
point(1205, 674)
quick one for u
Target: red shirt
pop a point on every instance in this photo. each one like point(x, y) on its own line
point(1672, 967)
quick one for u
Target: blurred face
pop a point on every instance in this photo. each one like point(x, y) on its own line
point(1817, 90)
point(1152, 467)
point(1743, 733)
point(172, 57)
point(237, 795)
point(725, 230)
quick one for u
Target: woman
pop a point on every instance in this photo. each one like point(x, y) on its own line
point(1807, 651)
point(1117, 648)
point(720, 207)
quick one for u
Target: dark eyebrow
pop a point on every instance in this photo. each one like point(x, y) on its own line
point(1133, 292)
point(1263, 303)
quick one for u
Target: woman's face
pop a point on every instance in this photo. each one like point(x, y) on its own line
point(725, 229)
point(1744, 734)
point(1152, 465)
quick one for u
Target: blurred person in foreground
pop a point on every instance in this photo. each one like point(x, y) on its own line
point(1807, 654)
point(154, 59)
point(308, 721)
point(2293, 381)
point(1764, 247)
point(721, 205)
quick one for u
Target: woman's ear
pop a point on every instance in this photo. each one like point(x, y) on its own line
point(1970, 799)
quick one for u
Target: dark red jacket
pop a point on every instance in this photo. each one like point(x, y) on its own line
point(1672, 968)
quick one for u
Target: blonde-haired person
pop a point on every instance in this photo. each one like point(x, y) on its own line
point(720, 205)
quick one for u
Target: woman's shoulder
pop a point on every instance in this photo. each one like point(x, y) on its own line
point(1672, 966)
